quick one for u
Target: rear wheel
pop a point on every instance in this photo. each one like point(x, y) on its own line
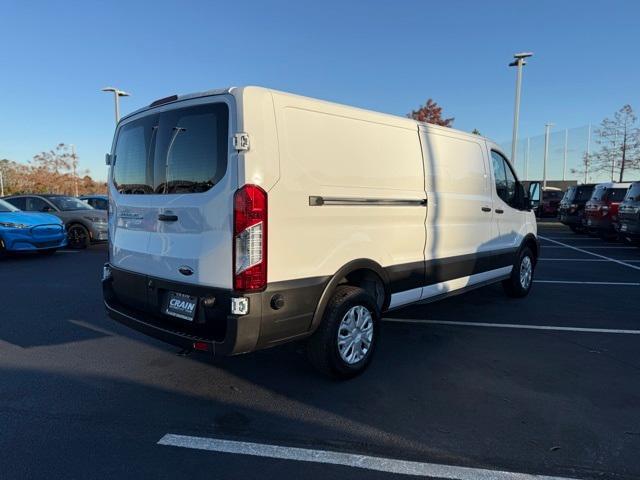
point(78, 236)
point(521, 279)
point(344, 343)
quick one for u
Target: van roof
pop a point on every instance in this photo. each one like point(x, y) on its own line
point(222, 91)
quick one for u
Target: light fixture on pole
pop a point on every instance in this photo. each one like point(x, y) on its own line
point(519, 62)
point(116, 95)
point(547, 127)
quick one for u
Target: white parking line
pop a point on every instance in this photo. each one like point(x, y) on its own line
point(583, 246)
point(632, 284)
point(581, 260)
point(591, 253)
point(367, 462)
point(575, 259)
point(575, 238)
point(513, 325)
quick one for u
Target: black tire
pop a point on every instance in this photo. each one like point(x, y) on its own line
point(322, 347)
point(574, 228)
point(78, 236)
point(513, 286)
point(48, 251)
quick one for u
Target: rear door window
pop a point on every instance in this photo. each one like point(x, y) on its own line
point(583, 194)
point(182, 150)
point(616, 194)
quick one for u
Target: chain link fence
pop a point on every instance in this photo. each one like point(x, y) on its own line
point(566, 151)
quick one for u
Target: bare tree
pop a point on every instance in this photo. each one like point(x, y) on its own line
point(619, 141)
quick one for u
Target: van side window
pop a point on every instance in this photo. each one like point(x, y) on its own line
point(504, 178)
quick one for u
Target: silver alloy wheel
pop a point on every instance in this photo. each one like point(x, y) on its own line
point(355, 334)
point(526, 272)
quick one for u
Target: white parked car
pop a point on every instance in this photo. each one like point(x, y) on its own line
point(244, 218)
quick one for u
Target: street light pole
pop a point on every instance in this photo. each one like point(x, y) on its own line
point(526, 159)
point(564, 159)
point(588, 159)
point(116, 97)
point(518, 63)
point(547, 127)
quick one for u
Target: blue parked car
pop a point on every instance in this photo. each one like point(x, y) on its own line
point(29, 232)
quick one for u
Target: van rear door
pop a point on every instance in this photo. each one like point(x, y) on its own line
point(172, 186)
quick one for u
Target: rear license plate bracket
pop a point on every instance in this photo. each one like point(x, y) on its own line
point(180, 305)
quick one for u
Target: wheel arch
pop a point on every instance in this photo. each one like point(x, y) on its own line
point(533, 243)
point(362, 272)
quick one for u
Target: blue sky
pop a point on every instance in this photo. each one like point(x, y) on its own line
point(383, 55)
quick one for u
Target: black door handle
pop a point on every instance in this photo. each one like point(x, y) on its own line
point(486, 209)
point(167, 218)
point(499, 211)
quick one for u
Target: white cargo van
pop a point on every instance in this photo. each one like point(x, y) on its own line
point(243, 218)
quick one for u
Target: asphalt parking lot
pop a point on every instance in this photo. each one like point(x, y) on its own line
point(472, 387)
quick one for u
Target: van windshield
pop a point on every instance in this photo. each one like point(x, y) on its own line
point(181, 150)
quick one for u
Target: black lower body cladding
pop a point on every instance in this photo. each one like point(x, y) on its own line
point(282, 312)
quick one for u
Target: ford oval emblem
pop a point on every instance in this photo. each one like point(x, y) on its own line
point(185, 270)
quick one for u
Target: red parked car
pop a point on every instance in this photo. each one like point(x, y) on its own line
point(551, 197)
point(601, 211)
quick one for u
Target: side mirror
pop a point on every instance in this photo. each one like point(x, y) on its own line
point(109, 159)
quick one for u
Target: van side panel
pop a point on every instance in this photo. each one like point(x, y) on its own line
point(458, 187)
point(351, 155)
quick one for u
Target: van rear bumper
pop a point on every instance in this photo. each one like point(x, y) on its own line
point(135, 300)
point(239, 339)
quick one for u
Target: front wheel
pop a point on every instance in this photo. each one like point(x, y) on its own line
point(343, 344)
point(521, 279)
point(78, 236)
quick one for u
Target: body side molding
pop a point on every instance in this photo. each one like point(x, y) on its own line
point(318, 201)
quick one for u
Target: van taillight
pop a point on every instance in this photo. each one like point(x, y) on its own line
point(250, 239)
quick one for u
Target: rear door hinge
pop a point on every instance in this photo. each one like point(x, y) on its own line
point(241, 141)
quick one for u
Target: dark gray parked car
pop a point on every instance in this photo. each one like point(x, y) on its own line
point(84, 223)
